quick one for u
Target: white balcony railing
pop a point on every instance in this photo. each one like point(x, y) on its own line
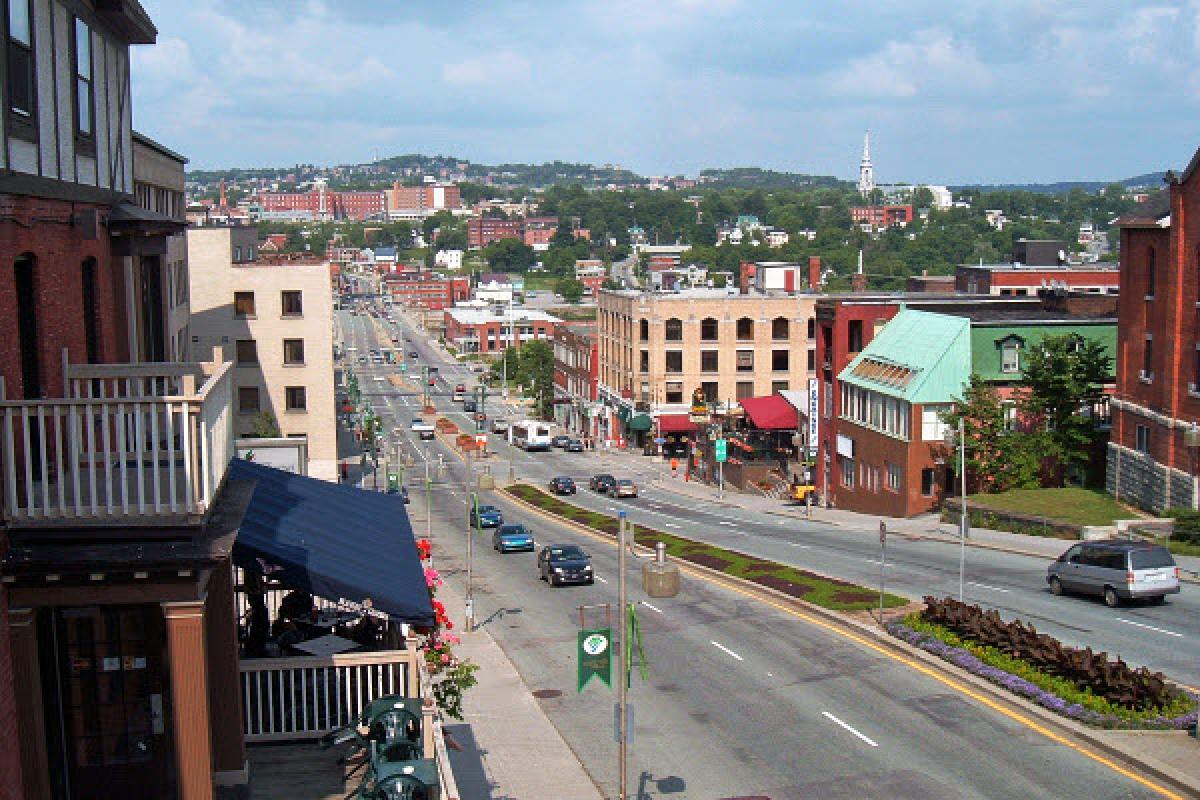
point(129, 442)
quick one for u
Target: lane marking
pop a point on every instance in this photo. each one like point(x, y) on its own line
point(1149, 627)
point(985, 586)
point(652, 608)
point(801, 546)
point(602, 580)
point(726, 650)
point(832, 718)
point(724, 522)
point(671, 525)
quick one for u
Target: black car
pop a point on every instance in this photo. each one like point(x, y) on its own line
point(564, 563)
point(601, 483)
point(413, 354)
point(560, 441)
point(574, 446)
point(562, 485)
point(469, 406)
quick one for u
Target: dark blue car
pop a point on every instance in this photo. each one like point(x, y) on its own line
point(510, 538)
point(488, 517)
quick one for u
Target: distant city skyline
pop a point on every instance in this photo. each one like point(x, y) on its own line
point(1027, 92)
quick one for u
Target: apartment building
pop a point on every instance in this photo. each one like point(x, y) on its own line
point(486, 330)
point(576, 368)
point(275, 316)
point(482, 231)
point(656, 350)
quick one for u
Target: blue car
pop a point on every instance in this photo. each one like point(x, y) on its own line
point(488, 517)
point(510, 538)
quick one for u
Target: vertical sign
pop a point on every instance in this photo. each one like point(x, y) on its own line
point(719, 450)
point(595, 656)
point(814, 412)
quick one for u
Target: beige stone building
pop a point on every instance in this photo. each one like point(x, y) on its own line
point(275, 317)
point(655, 350)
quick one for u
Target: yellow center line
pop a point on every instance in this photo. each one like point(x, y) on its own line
point(878, 648)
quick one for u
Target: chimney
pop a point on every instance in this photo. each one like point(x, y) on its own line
point(224, 201)
point(814, 273)
point(858, 281)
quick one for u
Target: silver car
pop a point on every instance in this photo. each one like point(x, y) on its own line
point(1116, 571)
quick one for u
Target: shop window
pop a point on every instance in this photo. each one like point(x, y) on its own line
point(928, 482)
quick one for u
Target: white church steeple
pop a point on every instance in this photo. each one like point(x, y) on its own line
point(866, 173)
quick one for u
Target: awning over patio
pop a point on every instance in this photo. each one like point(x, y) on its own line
point(332, 540)
point(770, 413)
point(641, 422)
point(675, 423)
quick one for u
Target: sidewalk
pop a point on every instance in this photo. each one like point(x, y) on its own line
point(510, 748)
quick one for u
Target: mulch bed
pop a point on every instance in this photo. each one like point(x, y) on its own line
point(706, 560)
point(782, 585)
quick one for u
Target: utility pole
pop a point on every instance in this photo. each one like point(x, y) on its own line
point(622, 662)
point(470, 600)
point(962, 472)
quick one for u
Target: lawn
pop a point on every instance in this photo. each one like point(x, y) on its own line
point(1070, 505)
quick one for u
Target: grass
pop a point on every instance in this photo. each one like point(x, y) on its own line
point(817, 589)
point(1071, 505)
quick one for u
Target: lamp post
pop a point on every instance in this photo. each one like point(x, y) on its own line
point(469, 605)
point(622, 663)
point(962, 517)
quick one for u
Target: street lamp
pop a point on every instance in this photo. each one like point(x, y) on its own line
point(962, 517)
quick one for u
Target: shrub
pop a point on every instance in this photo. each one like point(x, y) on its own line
point(1187, 524)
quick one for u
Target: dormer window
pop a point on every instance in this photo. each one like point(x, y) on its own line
point(1010, 356)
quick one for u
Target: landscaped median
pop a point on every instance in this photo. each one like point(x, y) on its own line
point(810, 587)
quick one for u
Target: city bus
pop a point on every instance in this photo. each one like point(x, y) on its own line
point(530, 435)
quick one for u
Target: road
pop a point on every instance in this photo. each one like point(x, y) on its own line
point(742, 698)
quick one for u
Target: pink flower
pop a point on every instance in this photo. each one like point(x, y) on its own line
point(445, 658)
point(452, 639)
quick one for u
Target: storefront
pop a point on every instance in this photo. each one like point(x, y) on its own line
point(678, 433)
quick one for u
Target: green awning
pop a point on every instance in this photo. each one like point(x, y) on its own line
point(642, 422)
point(623, 413)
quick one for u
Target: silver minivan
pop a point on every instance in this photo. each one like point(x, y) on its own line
point(1116, 571)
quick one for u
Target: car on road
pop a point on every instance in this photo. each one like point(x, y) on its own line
point(424, 429)
point(562, 485)
point(487, 517)
point(469, 406)
point(413, 354)
point(560, 441)
point(1116, 571)
point(565, 563)
point(511, 538)
point(623, 487)
point(574, 446)
point(499, 426)
point(460, 392)
point(478, 368)
point(600, 483)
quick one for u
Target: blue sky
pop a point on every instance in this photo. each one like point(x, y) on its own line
point(952, 92)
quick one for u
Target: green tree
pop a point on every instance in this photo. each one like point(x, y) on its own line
point(509, 255)
point(922, 197)
point(452, 239)
point(265, 426)
point(570, 289)
point(563, 235)
point(535, 372)
point(998, 457)
point(1063, 377)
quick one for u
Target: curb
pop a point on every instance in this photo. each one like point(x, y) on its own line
point(1053, 724)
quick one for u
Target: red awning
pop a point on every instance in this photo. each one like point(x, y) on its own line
point(675, 423)
point(770, 413)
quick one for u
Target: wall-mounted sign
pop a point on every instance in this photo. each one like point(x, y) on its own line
point(814, 413)
point(845, 446)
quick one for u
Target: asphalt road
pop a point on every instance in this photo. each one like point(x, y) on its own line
point(742, 699)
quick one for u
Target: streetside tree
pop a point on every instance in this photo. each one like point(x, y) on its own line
point(999, 457)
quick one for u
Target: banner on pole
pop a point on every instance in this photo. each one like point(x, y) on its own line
point(595, 656)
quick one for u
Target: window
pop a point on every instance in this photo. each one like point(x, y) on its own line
point(1196, 370)
point(779, 386)
point(247, 352)
point(293, 352)
point(83, 79)
point(1010, 357)
point(1142, 434)
point(812, 328)
point(928, 482)
point(243, 304)
point(1148, 358)
point(295, 399)
point(709, 361)
point(237, 254)
point(745, 361)
point(780, 328)
point(848, 472)
point(827, 405)
point(780, 360)
point(854, 335)
point(874, 410)
point(643, 330)
point(709, 329)
point(674, 392)
point(20, 61)
point(247, 398)
point(933, 429)
point(91, 312)
point(644, 361)
point(674, 361)
point(710, 391)
point(745, 389)
point(1151, 269)
point(812, 360)
point(895, 474)
point(673, 328)
point(293, 303)
point(745, 329)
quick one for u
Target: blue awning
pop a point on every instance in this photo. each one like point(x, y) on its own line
point(332, 540)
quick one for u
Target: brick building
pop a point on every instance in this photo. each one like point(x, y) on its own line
point(1023, 280)
point(476, 330)
point(576, 369)
point(320, 203)
point(482, 231)
point(414, 202)
point(878, 217)
point(538, 231)
point(1152, 455)
point(426, 291)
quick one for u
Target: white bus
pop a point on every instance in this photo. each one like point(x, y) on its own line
point(530, 435)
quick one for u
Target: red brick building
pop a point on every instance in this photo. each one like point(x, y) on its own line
point(473, 330)
point(1023, 280)
point(321, 203)
point(1152, 454)
point(482, 231)
point(422, 199)
point(576, 373)
point(424, 290)
point(882, 216)
point(539, 231)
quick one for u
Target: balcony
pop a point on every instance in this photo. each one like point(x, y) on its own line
point(132, 444)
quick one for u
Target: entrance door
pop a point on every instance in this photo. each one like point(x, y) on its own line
point(114, 703)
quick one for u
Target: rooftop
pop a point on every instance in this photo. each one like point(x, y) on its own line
point(919, 357)
point(472, 316)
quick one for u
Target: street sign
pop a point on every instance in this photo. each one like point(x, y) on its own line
point(595, 656)
point(659, 440)
point(882, 532)
point(404, 366)
point(719, 450)
point(393, 481)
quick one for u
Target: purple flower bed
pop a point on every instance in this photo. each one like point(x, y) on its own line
point(1020, 686)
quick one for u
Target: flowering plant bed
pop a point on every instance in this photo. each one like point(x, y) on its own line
point(817, 589)
point(1048, 690)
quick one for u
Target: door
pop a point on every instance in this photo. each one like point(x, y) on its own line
point(1069, 567)
point(114, 702)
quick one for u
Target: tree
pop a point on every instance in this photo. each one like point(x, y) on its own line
point(922, 197)
point(563, 235)
point(451, 239)
point(265, 426)
point(1063, 377)
point(535, 371)
point(570, 289)
point(998, 457)
point(509, 255)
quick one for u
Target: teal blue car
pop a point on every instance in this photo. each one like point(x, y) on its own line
point(511, 538)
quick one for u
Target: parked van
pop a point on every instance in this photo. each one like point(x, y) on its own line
point(1116, 571)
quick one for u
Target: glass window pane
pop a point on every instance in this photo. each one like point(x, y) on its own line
point(83, 50)
point(18, 21)
point(83, 96)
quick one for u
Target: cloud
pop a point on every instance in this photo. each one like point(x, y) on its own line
point(933, 62)
point(502, 68)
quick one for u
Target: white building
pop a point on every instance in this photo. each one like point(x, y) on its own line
point(449, 259)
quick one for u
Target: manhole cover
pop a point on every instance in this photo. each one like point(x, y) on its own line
point(546, 694)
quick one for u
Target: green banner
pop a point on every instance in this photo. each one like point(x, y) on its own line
point(595, 656)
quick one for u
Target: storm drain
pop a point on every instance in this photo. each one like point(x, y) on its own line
point(546, 694)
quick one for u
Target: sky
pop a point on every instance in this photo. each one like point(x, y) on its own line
point(952, 92)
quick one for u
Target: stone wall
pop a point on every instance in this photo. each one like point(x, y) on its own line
point(1137, 479)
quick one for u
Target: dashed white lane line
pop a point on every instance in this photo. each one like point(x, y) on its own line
point(670, 525)
point(726, 650)
point(1149, 627)
point(985, 586)
point(724, 522)
point(797, 544)
point(652, 608)
point(602, 580)
point(832, 718)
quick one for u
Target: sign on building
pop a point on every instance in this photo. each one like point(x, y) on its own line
point(814, 412)
point(286, 453)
